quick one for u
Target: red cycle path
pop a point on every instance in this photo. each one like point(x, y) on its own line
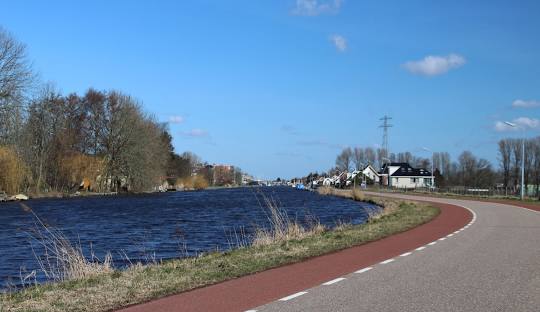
point(257, 289)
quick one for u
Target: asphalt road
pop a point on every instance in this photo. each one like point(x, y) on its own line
point(491, 265)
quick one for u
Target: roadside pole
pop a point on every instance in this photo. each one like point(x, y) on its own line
point(522, 168)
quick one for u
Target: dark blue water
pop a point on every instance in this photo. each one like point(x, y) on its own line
point(158, 226)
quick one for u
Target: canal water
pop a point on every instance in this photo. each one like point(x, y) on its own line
point(142, 228)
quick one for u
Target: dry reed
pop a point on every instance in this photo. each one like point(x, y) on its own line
point(60, 260)
point(282, 228)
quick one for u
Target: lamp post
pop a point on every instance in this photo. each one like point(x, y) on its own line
point(432, 161)
point(522, 195)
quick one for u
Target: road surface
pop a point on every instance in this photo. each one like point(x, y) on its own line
point(493, 264)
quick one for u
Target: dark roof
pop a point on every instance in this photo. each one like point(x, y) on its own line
point(405, 170)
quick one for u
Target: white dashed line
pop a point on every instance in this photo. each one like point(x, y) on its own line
point(337, 280)
point(298, 294)
point(364, 270)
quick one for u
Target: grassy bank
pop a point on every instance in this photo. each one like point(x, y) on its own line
point(139, 283)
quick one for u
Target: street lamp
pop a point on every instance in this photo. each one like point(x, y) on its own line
point(432, 161)
point(513, 125)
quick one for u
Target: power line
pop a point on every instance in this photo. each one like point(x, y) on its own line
point(385, 125)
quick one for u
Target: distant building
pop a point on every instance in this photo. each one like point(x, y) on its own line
point(372, 174)
point(402, 175)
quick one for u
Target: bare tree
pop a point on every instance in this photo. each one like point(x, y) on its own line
point(483, 174)
point(404, 157)
point(467, 168)
point(516, 157)
point(445, 163)
point(529, 158)
point(505, 158)
point(536, 164)
point(41, 129)
point(15, 70)
point(343, 160)
point(359, 158)
point(370, 155)
point(16, 78)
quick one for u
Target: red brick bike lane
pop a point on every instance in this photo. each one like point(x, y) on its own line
point(250, 291)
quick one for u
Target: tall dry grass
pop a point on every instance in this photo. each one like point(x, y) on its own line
point(58, 258)
point(197, 182)
point(388, 206)
point(354, 194)
point(282, 228)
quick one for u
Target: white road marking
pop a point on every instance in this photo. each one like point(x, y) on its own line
point(298, 294)
point(364, 270)
point(529, 209)
point(337, 280)
point(251, 311)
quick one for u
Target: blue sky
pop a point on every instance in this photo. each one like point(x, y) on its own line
point(278, 87)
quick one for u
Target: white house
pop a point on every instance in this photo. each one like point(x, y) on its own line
point(402, 175)
point(371, 173)
point(328, 182)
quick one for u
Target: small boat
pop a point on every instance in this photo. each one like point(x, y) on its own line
point(18, 197)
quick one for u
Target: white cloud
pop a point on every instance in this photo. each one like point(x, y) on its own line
point(315, 7)
point(522, 123)
point(340, 42)
point(433, 65)
point(526, 103)
point(196, 133)
point(176, 119)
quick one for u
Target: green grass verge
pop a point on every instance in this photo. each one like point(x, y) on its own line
point(142, 283)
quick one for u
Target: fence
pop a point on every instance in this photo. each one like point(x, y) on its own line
point(508, 192)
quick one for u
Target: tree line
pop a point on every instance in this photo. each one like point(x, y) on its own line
point(100, 140)
point(466, 170)
point(510, 158)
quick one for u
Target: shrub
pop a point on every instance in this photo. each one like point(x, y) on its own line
point(13, 171)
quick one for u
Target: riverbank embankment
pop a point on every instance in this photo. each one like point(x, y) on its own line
point(285, 244)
